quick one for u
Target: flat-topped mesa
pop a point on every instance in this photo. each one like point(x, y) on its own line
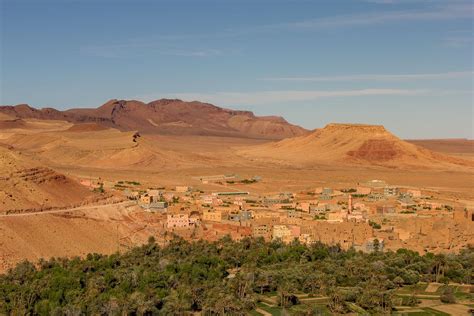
point(359, 144)
point(355, 127)
point(354, 131)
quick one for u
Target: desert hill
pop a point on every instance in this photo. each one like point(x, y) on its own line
point(27, 185)
point(84, 144)
point(60, 143)
point(359, 144)
point(168, 117)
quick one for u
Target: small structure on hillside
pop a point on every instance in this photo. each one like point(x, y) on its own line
point(390, 191)
point(177, 221)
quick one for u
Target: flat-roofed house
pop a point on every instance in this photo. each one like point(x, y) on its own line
point(183, 188)
point(145, 199)
point(414, 193)
point(214, 215)
point(363, 190)
point(390, 191)
point(177, 221)
point(263, 230)
point(281, 232)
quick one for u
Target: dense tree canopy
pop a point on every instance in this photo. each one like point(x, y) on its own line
point(223, 277)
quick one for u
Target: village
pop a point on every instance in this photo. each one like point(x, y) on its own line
point(370, 216)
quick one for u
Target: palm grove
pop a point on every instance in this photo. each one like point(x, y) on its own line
point(223, 277)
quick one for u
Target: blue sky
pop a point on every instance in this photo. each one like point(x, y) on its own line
point(406, 64)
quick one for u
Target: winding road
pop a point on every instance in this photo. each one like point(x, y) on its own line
point(80, 208)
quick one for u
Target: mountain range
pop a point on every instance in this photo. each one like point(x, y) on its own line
point(106, 136)
point(167, 117)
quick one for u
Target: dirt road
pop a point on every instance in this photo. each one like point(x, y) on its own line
point(80, 208)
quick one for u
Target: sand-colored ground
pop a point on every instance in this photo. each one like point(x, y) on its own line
point(453, 309)
point(73, 232)
point(354, 144)
point(452, 146)
point(461, 148)
point(170, 160)
point(433, 287)
point(26, 184)
point(155, 160)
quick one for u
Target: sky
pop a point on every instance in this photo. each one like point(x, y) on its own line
point(405, 64)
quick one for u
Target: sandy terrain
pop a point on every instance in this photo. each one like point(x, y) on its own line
point(462, 148)
point(454, 146)
point(168, 160)
point(453, 309)
point(433, 287)
point(354, 144)
point(73, 232)
point(86, 151)
point(26, 184)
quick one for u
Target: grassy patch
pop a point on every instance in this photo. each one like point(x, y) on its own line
point(312, 300)
point(314, 309)
point(420, 288)
point(426, 312)
point(274, 310)
point(434, 311)
point(405, 297)
point(357, 309)
point(463, 296)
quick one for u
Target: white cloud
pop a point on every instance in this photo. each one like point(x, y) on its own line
point(195, 53)
point(270, 97)
point(459, 41)
point(172, 44)
point(376, 77)
point(444, 12)
point(140, 48)
point(399, 1)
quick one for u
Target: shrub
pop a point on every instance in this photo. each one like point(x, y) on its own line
point(448, 296)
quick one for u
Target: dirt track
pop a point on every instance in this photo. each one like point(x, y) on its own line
point(73, 232)
point(81, 208)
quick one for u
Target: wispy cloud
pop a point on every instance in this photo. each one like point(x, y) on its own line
point(431, 11)
point(172, 44)
point(376, 77)
point(270, 97)
point(439, 12)
point(399, 1)
point(459, 41)
point(459, 38)
point(163, 46)
point(196, 53)
point(382, 1)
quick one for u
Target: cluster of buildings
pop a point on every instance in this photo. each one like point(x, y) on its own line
point(371, 216)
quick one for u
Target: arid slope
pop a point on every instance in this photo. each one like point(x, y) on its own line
point(24, 184)
point(370, 145)
point(61, 144)
point(462, 148)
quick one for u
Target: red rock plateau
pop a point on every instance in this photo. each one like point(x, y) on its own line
point(167, 117)
point(370, 145)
